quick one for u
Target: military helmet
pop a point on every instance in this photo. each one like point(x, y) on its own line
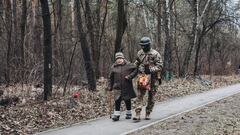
point(145, 41)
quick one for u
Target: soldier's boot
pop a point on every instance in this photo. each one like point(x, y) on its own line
point(147, 115)
point(116, 116)
point(128, 114)
point(138, 113)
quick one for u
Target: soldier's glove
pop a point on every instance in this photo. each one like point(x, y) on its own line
point(152, 69)
point(141, 69)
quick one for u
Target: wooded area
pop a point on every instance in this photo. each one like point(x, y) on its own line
point(69, 42)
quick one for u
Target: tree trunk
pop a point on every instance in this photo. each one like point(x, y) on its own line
point(15, 32)
point(103, 24)
point(93, 41)
point(175, 39)
point(23, 26)
point(85, 49)
point(102, 33)
point(54, 27)
point(9, 36)
point(167, 65)
point(56, 20)
point(196, 29)
point(59, 34)
point(195, 73)
point(210, 55)
point(1, 15)
point(36, 32)
point(121, 25)
point(74, 21)
point(159, 24)
point(47, 50)
point(192, 40)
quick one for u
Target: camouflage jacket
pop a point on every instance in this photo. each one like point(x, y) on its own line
point(152, 59)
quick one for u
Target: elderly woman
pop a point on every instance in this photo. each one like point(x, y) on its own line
point(120, 82)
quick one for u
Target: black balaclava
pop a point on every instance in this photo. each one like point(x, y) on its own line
point(146, 48)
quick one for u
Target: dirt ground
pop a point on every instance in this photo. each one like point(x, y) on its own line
point(219, 118)
point(31, 114)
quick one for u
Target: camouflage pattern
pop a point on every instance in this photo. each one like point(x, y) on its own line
point(153, 60)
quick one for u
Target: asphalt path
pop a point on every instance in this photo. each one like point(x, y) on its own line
point(161, 112)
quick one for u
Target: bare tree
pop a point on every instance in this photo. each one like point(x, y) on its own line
point(85, 49)
point(186, 30)
point(15, 31)
point(1, 16)
point(60, 34)
point(92, 36)
point(23, 26)
point(36, 30)
point(121, 25)
point(192, 37)
point(196, 26)
point(168, 41)
point(9, 35)
point(47, 50)
point(209, 22)
point(159, 22)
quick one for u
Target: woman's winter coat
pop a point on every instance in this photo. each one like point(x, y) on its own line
point(119, 84)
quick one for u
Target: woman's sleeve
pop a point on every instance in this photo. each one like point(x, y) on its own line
point(110, 79)
point(134, 71)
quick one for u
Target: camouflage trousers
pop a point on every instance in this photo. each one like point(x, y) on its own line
point(150, 100)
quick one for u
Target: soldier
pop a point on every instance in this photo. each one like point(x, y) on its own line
point(149, 62)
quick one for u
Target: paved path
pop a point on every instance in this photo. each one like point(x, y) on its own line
point(162, 111)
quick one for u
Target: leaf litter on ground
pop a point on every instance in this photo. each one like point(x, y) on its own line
point(32, 115)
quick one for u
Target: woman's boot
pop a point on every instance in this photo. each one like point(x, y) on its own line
point(138, 113)
point(116, 116)
point(128, 114)
point(147, 116)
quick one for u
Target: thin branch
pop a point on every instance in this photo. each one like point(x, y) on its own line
point(70, 68)
point(103, 23)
